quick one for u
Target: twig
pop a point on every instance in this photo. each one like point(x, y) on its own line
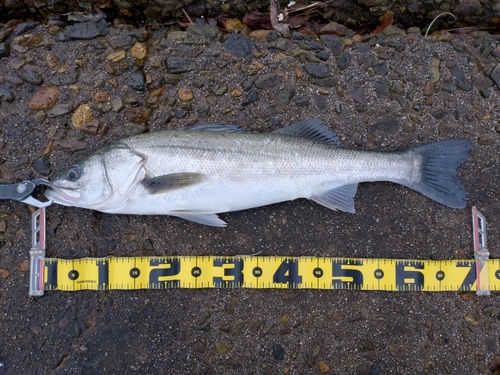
point(187, 15)
point(434, 20)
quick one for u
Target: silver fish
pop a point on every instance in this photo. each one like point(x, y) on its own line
point(207, 169)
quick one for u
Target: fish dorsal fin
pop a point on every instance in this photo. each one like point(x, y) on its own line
point(200, 217)
point(172, 181)
point(312, 129)
point(340, 198)
point(214, 128)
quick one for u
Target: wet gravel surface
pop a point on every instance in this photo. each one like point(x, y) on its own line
point(66, 91)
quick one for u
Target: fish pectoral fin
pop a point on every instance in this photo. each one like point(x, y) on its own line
point(312, 129)
point(200, 217)
point(340, 198)
point(162, 184)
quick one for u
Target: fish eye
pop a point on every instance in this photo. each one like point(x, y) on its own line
point(73, 173)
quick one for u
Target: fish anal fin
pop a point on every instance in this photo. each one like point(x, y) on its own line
point(165, 183)
point(312, 129)
point(200, 217)
point(339, 198)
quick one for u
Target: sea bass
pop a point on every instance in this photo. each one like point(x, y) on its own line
point(197, 172)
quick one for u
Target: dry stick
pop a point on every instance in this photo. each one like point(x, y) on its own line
point(439, 15)
point(187, 15)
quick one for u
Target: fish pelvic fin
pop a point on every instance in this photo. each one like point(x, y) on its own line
point(200, 217)
point(438, 172)
point(340, 198)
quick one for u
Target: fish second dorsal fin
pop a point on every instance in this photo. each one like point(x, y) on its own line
point(312, 129)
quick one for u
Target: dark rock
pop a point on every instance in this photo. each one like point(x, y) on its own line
point(343, 60)
point(397, 45)
point(495, 75)
point(65, 79)
point(361, 47)
point(382, 88)
point(317, 70)
point(387, 125)
point(42, 166)
point(239, 46)
point(30, 76)
point(69, 144)
point(325, 82)
point(448, 88)
point(366, 345)
point(13, 78)
point(458, 73)
point(278, 352)
point(485, 93)
point(4, 33)
point(306, 42)
point(137, 80)
point(463, 85)
point(281, 44)
point(481, 81)
point(59, 110)
point(272, 36)
point(381, 68)
point(206, 31)
point(286, 95)
point(86, 30)
point(247, 84)
point(179, 114)
point(6, 95)
point(133, 129)
point(302, 102)
point(322, 55)
point(4, 50)
point(252, 97)
point(267, 81)
point(23, 28)
point(120, 40)
point(439, 114)
point(176, 65)
point(468, 8)
point(320, 102)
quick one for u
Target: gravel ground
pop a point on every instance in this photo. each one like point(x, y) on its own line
point(67, 91)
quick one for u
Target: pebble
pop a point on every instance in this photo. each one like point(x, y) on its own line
point(133, 129)
point(69, 145)
point(91, 127)
point(317, 70)
point(4, 274)
point(138, 115)
point(30, 76)
point(333, 43)
point(46, 97)
point(139, 51)
point(4, 50)
point(381, 68)
point(390, 30)
point(185, 94)
point(101, 97)
point(386, 125)
point(6, 95)
point(117, 104)
point(343, 60)
point(278, 352)
point(137, 80)
point(120, 40)
point(116, 56)
point(333, 28)
point(82, 115)
point(239, 46)
point(223, 346)
point(267, 81)
point(323, 367)
point(434, 68)
point(252, 97)
point(314, 354)
point(306, 42)
point(52, 61)
point(495, 75)
point(85, 30)
point(42, 165)
point(65, 79)
point(176, 65)
point(286, 94)
point(236, 93)
point(59, 110)
point(325, 82)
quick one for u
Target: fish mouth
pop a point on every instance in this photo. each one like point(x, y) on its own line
point(63, 195)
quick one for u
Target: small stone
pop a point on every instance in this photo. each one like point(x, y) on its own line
point(387, 125)
point(82, 115)
point(137, 80)
point(59, 110)
point(116, 56)
point(468, 8)
point(343, 60)
point(139, 51)
point(390, 30)
point(52, 61)
point(101, 97)
point(138, 115)
point(381, 68)
point(29, 75)
point(45, 97)
point(133, 129)
point(325, 82)
point(267, 81)
point(6, 95)
point(334, 43)
point(239, 46)
point(24, 266)
point(4, 50)
point(317, 70)
point(4, 273)
point(69, 145)
point(333, 28)
point(223, 346)
point(176, 35)
point(435, 74)
point(3, 226)
point(252, 97)
point(40, 116)
point(495, 75)
point(259, 34)
point(176, 65)
point(185, 94)
point(236, 93)
point(429, 88)
point(323, 367)
point(64, 79)
point(278, 352)
point(42, 165)
point(366, 345)
point(86, 30)
point(220, 91)
point(233, 24)
point(117, 104)
point(120, 40)
point(91, 127)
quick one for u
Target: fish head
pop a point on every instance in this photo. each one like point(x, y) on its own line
point(100, 182)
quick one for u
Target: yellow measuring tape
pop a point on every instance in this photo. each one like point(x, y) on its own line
point(481, 274)
point(266, 272)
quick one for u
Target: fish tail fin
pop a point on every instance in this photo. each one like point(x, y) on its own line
point(438, 174)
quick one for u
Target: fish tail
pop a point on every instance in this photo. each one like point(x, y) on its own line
point(438, 171)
